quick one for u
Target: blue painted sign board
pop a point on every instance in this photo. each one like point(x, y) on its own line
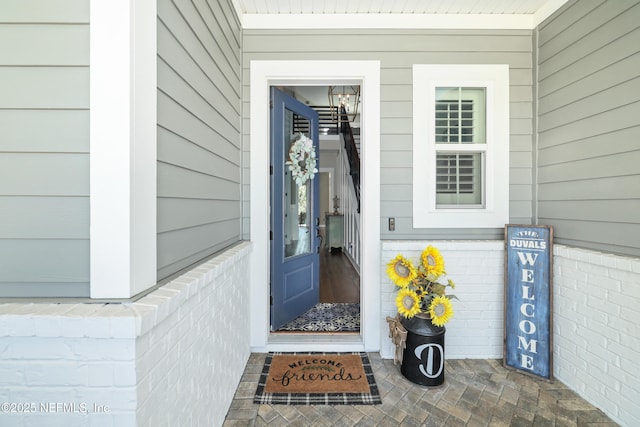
point(528, 332)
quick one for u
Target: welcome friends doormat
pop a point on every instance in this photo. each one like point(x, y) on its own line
point(317, 379)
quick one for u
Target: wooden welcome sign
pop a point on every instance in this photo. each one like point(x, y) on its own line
point(528, 333)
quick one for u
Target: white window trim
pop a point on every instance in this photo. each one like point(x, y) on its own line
point(495, 78)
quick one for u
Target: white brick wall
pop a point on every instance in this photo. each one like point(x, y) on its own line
point(477, 268)
point(190, 364)
point(596, 332)
point(173, 357)
point(176, 356)
point(596, 299)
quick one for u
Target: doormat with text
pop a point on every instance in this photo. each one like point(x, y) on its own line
point(317, 379)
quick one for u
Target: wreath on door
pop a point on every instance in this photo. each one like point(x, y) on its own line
point(302, 159)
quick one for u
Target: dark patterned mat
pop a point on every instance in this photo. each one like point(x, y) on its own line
point(327, 317)
point(370, 398)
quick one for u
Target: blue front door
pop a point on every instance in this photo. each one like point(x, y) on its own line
point(295, 259)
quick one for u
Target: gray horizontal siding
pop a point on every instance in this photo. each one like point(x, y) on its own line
point(44, 174)
point(199, 156)
point(176, 118)
point(46, 131)
point(589, 125)
point(44, 87)
point(398, 50)
point(44, 148)
point(38, 44)
point(175, 181)
point(44, 261)
point(45, 11)
point(378, 41)
point(604, 188)
point(23, 217)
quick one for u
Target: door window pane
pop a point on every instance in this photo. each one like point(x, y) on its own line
point(297, 224)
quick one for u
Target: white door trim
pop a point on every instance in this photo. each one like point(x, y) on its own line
point(299, 73)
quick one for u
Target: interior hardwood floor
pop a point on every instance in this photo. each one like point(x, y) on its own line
point(339, 281)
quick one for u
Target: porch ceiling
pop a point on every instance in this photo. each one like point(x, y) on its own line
point(501, 7)
point(434, 14)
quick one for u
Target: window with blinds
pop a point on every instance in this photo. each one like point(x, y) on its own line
point(454, 121)
point(460, 145)
point(459, 122)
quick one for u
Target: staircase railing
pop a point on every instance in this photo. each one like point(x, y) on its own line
point(328, 123)
point(352, 152)
point(333, 121)
point(349, 190)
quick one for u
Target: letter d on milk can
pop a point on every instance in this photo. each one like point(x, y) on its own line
point(423, 357)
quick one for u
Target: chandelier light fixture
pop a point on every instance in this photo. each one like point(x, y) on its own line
point(347, 97)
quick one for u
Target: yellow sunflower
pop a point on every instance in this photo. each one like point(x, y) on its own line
point(433, 262)
point(401, 271)
point(408, 303)
point(440, 310)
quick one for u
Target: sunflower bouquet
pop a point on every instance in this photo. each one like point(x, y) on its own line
point(420, 291)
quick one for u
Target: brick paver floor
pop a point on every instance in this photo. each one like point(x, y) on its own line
point(475, 393)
